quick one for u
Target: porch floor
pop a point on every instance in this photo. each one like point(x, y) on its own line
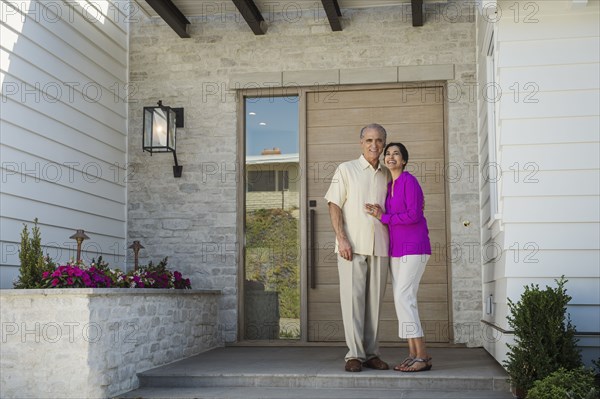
point(318, 372)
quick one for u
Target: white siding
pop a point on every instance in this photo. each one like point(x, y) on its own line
point(63, 123)
point(549, 155)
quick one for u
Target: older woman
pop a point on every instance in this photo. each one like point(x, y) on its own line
point(410, 250)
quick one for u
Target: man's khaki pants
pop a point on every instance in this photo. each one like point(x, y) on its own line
point(362, 285)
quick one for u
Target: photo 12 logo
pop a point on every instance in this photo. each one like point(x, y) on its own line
point(72, 332)
point(70, 11)
point(68, 92)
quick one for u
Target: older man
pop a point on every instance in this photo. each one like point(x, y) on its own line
point(362, 247)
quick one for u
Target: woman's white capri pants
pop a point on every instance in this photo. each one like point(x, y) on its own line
point(406, 276)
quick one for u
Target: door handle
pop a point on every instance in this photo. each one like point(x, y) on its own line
point(311, 247)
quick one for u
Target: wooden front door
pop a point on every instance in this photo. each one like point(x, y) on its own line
point(415, 117)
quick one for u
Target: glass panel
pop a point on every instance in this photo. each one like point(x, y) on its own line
point(148, 127)
point(172, 127)
point(272, 261)
point(159, 128)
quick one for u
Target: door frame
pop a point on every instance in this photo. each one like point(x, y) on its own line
point(301, 93)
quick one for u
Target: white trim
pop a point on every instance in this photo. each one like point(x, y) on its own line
point(271, 159)
point(495, 219)
point(491, 128)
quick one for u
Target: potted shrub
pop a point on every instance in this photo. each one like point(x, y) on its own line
point(544, 336)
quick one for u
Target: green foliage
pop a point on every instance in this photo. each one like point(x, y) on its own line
point(596, 364)
point(161, 267)
point(33, 263)
point(149, 276)
point(544, 336)
point(100, 264)
point(272, 256)
point(565, 384)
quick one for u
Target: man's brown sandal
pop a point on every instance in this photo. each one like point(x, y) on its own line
point(353, 365)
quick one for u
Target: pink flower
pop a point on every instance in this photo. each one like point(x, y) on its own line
point(69, 281)
point(55, 282)
point(45, 274)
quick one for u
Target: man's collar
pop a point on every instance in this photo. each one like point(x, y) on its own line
point(365, 164)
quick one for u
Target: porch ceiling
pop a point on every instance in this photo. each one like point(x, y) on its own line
point(174, 12)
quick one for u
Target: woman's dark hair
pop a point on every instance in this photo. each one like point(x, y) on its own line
point(403, 150)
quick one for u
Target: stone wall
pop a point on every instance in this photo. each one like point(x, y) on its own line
point(90, 343)
point(193, 219)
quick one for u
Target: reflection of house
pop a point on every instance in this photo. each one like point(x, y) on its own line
point(272, 180)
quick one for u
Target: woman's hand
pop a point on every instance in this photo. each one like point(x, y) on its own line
point(374, 210)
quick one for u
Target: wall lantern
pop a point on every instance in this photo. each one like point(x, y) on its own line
point(160, 124)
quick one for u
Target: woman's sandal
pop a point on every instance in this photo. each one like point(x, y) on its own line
point(405, 363)
point(410, 368)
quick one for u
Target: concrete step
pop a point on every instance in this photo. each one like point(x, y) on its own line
point(303, 393)
point(290, 372)
point(367, 379)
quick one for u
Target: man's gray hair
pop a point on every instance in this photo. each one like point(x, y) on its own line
point(374, 126)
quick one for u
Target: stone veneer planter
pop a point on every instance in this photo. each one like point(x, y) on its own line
point(91, 342)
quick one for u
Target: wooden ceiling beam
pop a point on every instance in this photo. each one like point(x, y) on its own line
point(417, 12)
point(171, 15)
point(332, 10)
point(252, 16)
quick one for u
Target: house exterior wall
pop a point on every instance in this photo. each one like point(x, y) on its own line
point(548, 155)
point(288, 199)
point(63, 148)
point(193, 219)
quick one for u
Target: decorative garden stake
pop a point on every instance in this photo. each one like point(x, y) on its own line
point(136, 246)
point(79, 236)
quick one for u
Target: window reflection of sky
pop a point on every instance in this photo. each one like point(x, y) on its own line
point(280, 116)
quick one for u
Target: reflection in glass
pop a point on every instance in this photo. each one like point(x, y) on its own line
point(272, 261)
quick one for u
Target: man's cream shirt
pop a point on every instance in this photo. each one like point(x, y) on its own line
point(354, 184)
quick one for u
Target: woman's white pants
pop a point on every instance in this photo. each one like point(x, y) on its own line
point(406, 276)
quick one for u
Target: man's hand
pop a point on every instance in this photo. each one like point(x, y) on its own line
point(337, 221)
point(344, 248)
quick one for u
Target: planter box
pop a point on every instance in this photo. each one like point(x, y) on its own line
point(91, 342)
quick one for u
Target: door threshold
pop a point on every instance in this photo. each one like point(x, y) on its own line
point(293, 343)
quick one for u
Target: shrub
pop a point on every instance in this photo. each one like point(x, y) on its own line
point(565, 384)
point(33, 262)
point(544, 336)
point(272, 256)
